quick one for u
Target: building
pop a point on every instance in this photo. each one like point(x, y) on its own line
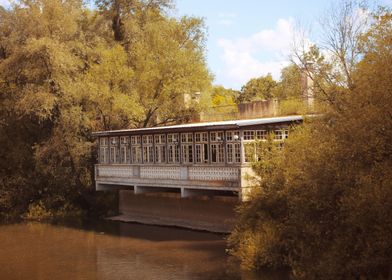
point(191, 159)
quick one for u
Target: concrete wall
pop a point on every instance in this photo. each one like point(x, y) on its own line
point(203, 212)
point(258, 109)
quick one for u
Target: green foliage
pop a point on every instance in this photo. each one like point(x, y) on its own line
point(322, 205)
point(219, 103)
point(258, 89)
point(290, 85)
point(62, 77)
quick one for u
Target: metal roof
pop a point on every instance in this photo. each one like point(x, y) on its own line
point(233, 124)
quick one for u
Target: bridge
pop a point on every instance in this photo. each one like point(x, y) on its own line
point(209, 159)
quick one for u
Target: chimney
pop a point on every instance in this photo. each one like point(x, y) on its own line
point(307, 86)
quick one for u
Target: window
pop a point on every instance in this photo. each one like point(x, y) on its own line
point(113, 141)
point(124, 150)
point(136, 154)
point(136, 149)
point(148, 152)
point(103, 155)
point(217, 153)
point(261, 134)
point(103, 141)
point(186, 137)
point(148, 156)
point(233, 152)
point(201, 153)
point(160, 138)
point(147, 139)
point(114, 151)
point(216, 136)
point(201, 137)
point(187, 153)
point(186, 147)
point(217, 149)
point(135, 140)
point(160, 153)
point(249, 135)
point(173, 149)
point(160, 148)
point(173, 155)
point(281, 134)
point(172, 138)
point(232, 135)
point(103, 150)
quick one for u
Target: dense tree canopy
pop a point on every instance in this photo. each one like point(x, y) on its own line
point(62, 77)
point(323, 204)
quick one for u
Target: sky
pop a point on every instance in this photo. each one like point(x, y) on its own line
point(251, 38)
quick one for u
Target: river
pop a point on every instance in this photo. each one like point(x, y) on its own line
point(114, 250)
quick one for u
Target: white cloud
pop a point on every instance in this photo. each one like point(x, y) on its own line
point(260, 53)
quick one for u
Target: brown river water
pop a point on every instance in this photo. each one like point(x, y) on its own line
point(115, 250)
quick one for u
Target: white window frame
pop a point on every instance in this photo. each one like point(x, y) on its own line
point(124, 150)
point(114, 151)
point(261, 134)
point(216, 136)
point(233, 151)
point(173, 153)
point(187, 153)
point(148, 154)
point(136, 149)
point(219, 157)
point(249, 135)
point(201, 137)
point(103, 150)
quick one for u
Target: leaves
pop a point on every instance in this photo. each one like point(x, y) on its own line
point(64, 74)
point(326, 197)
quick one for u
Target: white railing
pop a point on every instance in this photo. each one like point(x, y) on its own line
point(196, 173)
point(210, 173)
point(160, 172)
point(120, 171)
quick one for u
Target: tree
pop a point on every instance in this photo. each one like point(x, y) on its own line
point(166, 55)
point(219, 103)
point(290, 84)
point(258, 89)
point(63, 77)
point(324, 207)
point(330, 63)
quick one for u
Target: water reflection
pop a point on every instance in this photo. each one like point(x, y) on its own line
point(113, 250)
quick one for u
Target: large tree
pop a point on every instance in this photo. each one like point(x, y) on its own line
point(166, 55)
point(62, 77)
point(323, 204)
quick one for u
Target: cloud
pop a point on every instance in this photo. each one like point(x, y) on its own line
point(260, 53)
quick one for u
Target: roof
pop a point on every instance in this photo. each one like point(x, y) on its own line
point(233, 124)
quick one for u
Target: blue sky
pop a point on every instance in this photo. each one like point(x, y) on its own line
point(250, 38)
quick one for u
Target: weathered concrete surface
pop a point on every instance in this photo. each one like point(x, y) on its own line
point(214, 214)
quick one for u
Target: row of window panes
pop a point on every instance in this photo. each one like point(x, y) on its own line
point(200, 137)
point(279, 134)
point(135, 154)
point(123, 155)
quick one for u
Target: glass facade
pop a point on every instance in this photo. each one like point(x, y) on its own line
point(214, 147)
